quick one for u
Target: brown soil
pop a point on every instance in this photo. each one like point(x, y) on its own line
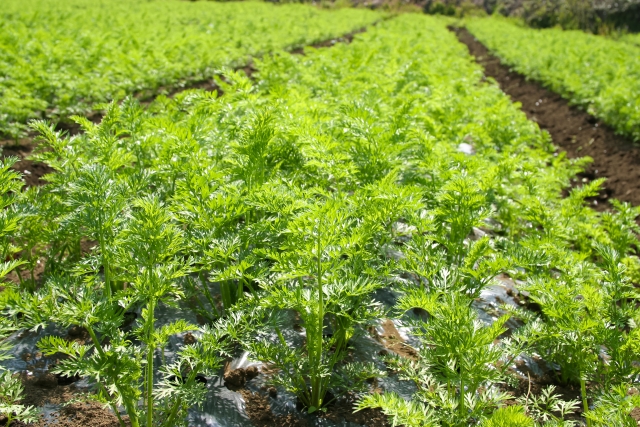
point(258, 409)
point(346, 38)
point(32, 171)
point(237, 378)
point(44, 389)
point(635, 414)
point(392, 340)
point(575, 131)
point(25, 273)
point(367, 417)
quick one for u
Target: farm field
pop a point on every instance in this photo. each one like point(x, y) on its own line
point(370, 226)
point(631, 38)
point(61, 58)
point(599, 74)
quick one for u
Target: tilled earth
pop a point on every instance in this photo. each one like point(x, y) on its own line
point(572, 129)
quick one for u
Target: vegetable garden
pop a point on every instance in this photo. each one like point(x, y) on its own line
point(370, 225)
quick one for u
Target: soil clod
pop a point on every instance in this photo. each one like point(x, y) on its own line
point(236, 379)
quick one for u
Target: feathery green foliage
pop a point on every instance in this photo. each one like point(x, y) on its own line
point(59, 58)
point(279, 211)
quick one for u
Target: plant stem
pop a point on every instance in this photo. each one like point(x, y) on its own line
point(585, 404)
point(94, 338)
point(120, 420)
point(105, 262)
point(131, 411)
point(207, 294)
point(461, 402)
point(173, 413)
point(316, 384)
point(150, 351)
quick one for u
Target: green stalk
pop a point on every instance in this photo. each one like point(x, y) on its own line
point(461, 402)
point(114, 408)
point(585, 404)
point(105, 263)
point(133, 418)
point(207, 294)
point(316, 382)
point(20, 278)
point(583, 385)
point(149, 373)
point(225, 292)
point(173, 413)
point(94, 338)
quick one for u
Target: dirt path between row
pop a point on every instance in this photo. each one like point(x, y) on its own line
point(573, 130)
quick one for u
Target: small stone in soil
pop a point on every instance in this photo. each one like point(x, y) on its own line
point(273, 392)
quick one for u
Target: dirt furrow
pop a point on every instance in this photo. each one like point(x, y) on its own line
point(572, 129)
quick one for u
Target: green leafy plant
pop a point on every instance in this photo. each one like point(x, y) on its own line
point(459, 355)
point(547, 408)
point(11, 388)
point(122, 363)
point(280, 210)
point(188, 44)
point(320, 270)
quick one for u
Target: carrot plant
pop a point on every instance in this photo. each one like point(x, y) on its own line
point(168, 44)
point(611, 92)
point(123, 364)
point(459, 355)
point(321, 272)
point(11, 389)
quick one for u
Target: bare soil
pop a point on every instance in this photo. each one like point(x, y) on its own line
point(77, 412)
point(31, 171)
point(259, 411)
point(572, 129)
point(346, 38)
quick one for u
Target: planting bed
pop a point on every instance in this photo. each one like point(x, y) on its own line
point(33, 171)
point(615, 157)
point(369, 226)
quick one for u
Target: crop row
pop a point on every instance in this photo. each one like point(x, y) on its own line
point(58, 58)
point(599, 74)
point(384, 164)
